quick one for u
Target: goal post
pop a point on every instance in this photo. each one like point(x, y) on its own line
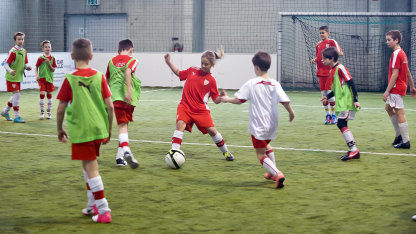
point(361, 35)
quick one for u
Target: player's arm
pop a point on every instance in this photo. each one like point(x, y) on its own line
point(354, 93)
point(225, 98)
point(110, 111)
point(128, 97)
point(60, 114)
point(172, 67)
point(391, 84)
point(411, 84)
point(37, 73)
point(49, 65)
point(289, 109)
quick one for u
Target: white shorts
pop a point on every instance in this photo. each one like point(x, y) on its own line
point(347, 115)
point(395, 101)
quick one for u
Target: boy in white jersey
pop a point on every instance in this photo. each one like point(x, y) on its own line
point(264, 95)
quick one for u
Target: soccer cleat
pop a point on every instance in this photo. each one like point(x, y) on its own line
point(268, 176)
point(279, 178)
point(6, 115)
point(49, 115)
point(397, 140)
point(334, 119)
point(90, 211)
point(350, 155)
point(102, 218)
point(42, 115)
point(18, 120)
point(402, 145)
point(128, 156)
point(228, 156)
point(120, 162)
point(328, 119)
point(414, 218)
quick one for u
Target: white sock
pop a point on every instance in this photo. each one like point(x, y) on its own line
point(124, 137)
point(96, 185)
point(270, 154)
point(177, 139)
point(349, 139)
point(219, 141)
point(42, 105)
point(49, 105)
point(404, 131)
point(120, 153)
point(91, 200)
point(269, 165)
point(7, 108)
point(395, 123)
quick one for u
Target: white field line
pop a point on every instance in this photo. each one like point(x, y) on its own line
point(149, 91)
point(237, 146)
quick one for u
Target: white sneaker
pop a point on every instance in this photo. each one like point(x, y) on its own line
point(133, 163)
point(49, 115)
point(414, 217)
point(42, 115)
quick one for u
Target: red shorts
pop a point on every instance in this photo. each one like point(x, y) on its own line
point(45, 86)
point(259, 143)
point(201, 120)
point(325, 83)
point(12, 86)
point(87, 150)
point(123, 112)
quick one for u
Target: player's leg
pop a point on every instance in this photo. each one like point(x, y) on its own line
point(270, 154)
point(325, 104)
point(123, 138)
point(404, 129)
point(91, 208)
point(49, 108)
point(9, 105)
point(334, 118)
point(178, 135)
point(267, 163)
point(394, 121)
point(219, 141)
point(16, 103)
point(97, 188)
point(353, 152)
point(42, 102)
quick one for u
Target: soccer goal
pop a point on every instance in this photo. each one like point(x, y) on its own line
point(361, 35)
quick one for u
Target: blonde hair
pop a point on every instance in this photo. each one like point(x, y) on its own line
point(44, 42)
point(212, 56)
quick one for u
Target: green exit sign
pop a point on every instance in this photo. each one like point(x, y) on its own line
point(93, 2)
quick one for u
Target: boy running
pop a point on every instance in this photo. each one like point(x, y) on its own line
point(45, 67)
point(264, 95)
point(125, 87)
point(15, 66)
point(343, 89)
point(323, 73)
point(86, 99)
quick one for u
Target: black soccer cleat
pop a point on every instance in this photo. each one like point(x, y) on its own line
point(351, 155)
point(397, 140)
point(402, 145)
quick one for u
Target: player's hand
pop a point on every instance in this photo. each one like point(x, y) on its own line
point(291, 116)
point(106, 140)
point(128, 98)
point(28, 68)
point(223, 93)
point(385, 96)
point(413, 92)
point(357, 105)
point(313, 60)
point(167, 57)
point(324, 99)
point(13, 72)
point(37, 78)
point(62, 136)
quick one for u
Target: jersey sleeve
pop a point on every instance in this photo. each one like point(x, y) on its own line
point(107, 73)
point(54, 62)
point(183, 75)
point(11, 58)
point(65, 92)
point(105, 90)
point(26, 61)
point(336, 45)
point(281, 95)
point(397, 62)
point(133, 65)
point(244, 92)
point(213, 92)
point(39, 62)
point(344, 73)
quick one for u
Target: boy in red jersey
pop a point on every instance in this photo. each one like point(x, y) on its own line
point(193, 108)
point(15, 66)
point(84, 95)
point(323, 73)
point(399, 76)
point(125, 87)
point(46, 65)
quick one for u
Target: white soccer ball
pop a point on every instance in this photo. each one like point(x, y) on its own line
point(175, 159)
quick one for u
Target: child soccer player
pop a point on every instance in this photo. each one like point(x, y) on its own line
point(86, 99)
point(15, 66)
point(125, 87)
point(343, 88)
point(264, 95)
point(323, 73)
point(399, 75)
point(193, 108)
point(45, 67)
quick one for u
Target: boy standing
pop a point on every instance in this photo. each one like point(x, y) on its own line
point(323, 73)
point(399, 75)
point(264, 95)
point(89, 118)
point(15, 66)
point(125, 87)
point(343, 89)
point(46, 65)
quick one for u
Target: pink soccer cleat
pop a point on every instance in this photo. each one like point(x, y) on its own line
point(268, 176)
point(280, 178)
point(102, 218)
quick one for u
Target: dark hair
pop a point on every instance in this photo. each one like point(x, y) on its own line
point(44, 42)
point(395, 34)
point(326, 28)
point(16, 34)
point(330, 53)
point(262, 60)
point(81, 49)
point(125, 45)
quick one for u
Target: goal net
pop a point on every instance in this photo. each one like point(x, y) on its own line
point(361, 37)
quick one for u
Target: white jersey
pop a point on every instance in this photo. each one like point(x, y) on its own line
point(264, 96)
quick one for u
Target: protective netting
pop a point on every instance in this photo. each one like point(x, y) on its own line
point(362, 39)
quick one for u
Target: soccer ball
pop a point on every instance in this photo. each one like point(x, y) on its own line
point(175, 159)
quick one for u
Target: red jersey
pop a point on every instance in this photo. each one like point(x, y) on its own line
point(343, 73)
point(323, 70)
point(65, 92)
point(398, 60)
point(40, 61)
point(199, 86)
point(120, 61)
point(12, 55)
